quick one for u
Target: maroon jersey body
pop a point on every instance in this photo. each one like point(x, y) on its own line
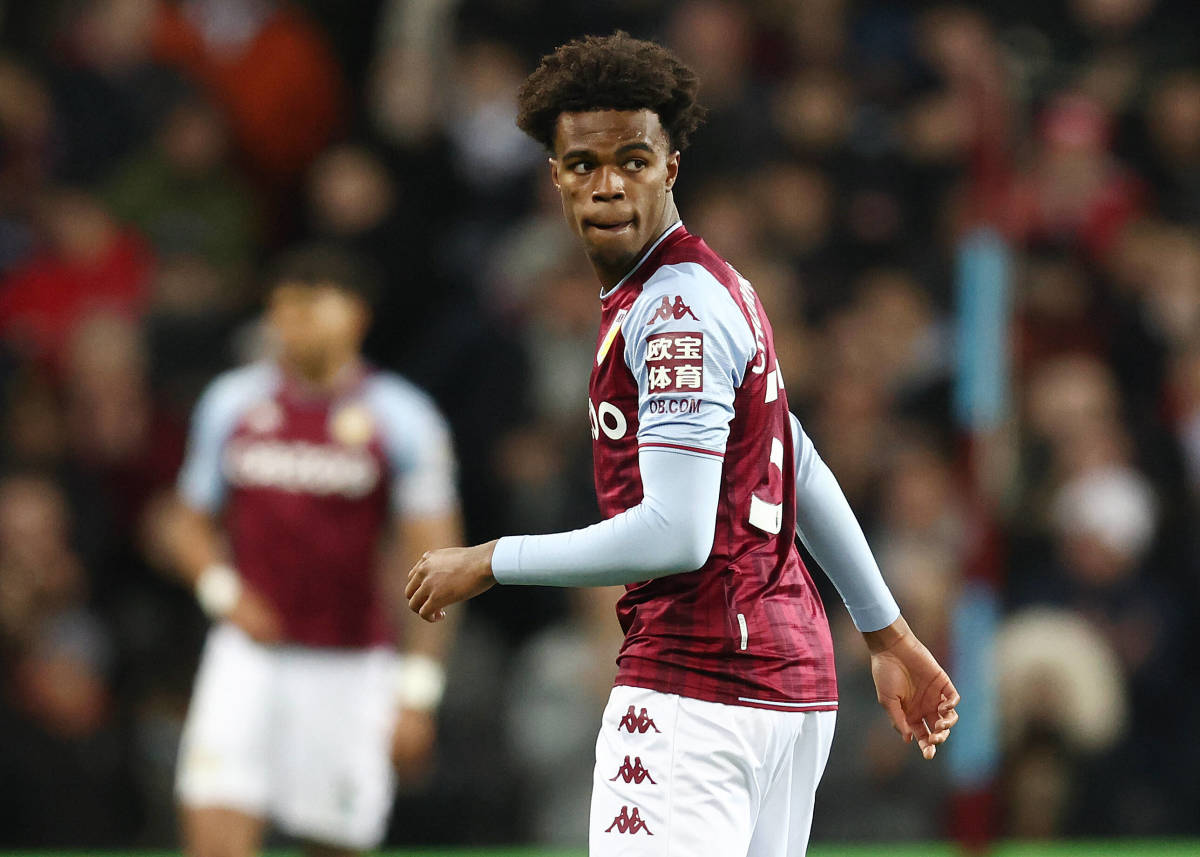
point(747, 628)
point(305, 484)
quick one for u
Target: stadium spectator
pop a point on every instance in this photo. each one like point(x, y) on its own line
point(269, 67)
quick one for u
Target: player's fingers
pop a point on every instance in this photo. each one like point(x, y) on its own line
point(417, 600)
point(416, 576)
point(895, 713)
point(431, 611)
point(950, 697)
point(946, 720)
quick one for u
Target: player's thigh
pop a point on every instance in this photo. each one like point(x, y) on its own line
point(785, 814)
point(331, 757)
point(219, 832)
point(672, 777)
point(225, 746)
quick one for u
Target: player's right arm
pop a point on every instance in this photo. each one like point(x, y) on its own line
point(192, 535)
point(912, 687)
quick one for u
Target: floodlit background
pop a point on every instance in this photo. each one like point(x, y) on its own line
point(976, 228)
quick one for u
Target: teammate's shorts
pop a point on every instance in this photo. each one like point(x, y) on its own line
point(297, 735)
point(678, 777)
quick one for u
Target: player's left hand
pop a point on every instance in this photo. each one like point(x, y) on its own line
point(912, 687)
point(448, 576)
point(413, 740)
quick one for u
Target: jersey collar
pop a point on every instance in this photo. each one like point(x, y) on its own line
point(676, 225)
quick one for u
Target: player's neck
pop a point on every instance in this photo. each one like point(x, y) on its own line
point(609, 277)
point(328, 376)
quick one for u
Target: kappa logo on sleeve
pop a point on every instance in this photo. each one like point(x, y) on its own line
point(667, 311)
point(675, 363)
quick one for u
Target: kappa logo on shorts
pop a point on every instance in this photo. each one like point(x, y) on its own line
point(639, 723)
point(667, 311)
point(629, 822)
point(633, 772)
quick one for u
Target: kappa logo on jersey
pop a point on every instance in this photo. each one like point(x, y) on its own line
point(675, 363)
point(629, 822)
point(667, 311)
point(633, 772)
point(637, 722)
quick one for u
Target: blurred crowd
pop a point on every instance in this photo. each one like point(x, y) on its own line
point(155, 155)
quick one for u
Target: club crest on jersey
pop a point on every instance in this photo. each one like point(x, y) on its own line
point(351, 425)
point(667, 311)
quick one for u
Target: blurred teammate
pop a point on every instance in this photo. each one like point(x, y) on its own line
point(719, 726)
point(300, 474)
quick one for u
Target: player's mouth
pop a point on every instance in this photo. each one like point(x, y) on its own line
point(609, 227)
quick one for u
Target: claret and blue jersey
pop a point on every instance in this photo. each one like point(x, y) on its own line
point(685, 362)
point(305, 485)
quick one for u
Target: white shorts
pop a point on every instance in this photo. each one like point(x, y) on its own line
point(301, 736)
point(678, 777)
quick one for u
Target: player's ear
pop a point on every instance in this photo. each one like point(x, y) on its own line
point(554, 173)
point(672, 169)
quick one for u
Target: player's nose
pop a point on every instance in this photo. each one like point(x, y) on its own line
point(609, 186)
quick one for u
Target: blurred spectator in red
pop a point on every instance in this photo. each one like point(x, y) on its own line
point(1076, 192)
point(86, 262)
point(269, 67)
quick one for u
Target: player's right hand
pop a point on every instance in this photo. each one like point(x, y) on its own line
point(257, 617)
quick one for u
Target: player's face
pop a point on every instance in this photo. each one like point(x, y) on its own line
point(615, 170)
point(315, 324)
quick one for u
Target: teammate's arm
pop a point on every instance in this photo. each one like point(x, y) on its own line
point(191, 535)
point(420, 676)
point(912, 687)
point(425, 503)
point(193, 540)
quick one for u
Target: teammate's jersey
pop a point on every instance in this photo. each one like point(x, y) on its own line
point(304, 484)
point(685, 361)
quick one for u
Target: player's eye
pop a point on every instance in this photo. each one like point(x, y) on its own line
point(635, 164)
point(580, 167)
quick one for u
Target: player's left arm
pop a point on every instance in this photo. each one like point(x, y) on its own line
point(911, 685)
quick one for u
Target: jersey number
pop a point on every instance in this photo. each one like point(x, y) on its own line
point(765, 513)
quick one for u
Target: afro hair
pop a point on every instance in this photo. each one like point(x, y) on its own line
point(616, 72)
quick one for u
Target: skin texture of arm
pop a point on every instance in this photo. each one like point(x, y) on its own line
point(193, 541)
point(415, 731)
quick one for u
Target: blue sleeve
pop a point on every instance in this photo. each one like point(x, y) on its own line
point(670, 531)
point(688, 344)
point(827, 526)
point(418, 445)
point(201, 479)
